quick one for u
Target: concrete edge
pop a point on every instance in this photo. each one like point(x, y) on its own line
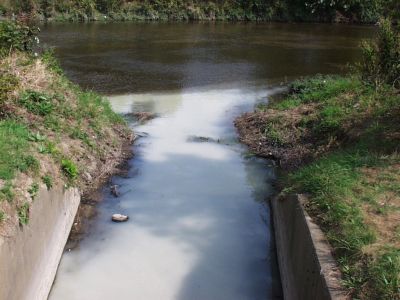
point(307, 267)
point(29, 259)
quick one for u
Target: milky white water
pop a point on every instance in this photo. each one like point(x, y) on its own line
point(197, 227)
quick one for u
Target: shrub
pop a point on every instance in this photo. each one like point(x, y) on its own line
point(381, 57)
point(15, 36)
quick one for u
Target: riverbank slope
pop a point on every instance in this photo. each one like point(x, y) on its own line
point(337, 141)
point(53, 137)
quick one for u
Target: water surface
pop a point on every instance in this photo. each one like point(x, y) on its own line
point(199, 227)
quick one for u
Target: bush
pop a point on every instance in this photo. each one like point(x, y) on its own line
point(15, 36)
point(381, 57)
point(69, 169)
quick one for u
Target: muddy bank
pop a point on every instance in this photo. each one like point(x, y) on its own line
point(280, 135)
point(92, 193)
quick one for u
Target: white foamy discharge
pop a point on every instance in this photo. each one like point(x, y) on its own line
point(196, 229)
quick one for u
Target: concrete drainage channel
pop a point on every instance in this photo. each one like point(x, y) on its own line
point(308, 270)
point(29, 258)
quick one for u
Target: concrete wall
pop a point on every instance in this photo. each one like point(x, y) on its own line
point(308, 270)
point(29, 259)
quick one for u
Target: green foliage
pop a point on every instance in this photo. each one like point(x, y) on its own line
point(381, 57)
point(70, 169)
point(23, 214)
point(36, 137)
point(37, 103)
point(33, 190)
point(15, 36)
point(48, 181)
point(235, 10)
point(363, 10)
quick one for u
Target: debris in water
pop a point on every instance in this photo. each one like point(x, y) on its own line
point(114, 190)
point(119, 218)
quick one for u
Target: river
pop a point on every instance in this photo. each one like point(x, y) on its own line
point(199, 227)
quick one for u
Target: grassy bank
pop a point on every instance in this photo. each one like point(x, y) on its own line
point(338, 141)
point(275, 10)
point(51, 131)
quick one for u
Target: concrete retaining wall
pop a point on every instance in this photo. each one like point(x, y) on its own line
point(29, 259)
point(308, 270)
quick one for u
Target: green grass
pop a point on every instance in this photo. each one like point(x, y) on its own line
point(13, 148)
point(335, 183)
point(318, 89)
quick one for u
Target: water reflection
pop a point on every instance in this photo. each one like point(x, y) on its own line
point(196, 228)
point(120, 58)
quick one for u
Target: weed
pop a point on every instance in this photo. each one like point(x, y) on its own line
point(48, 181)
point(33, 190)
point(37, 103)
point(3, 216)
point(23, 214)
point(36, 137)
point(69, 169)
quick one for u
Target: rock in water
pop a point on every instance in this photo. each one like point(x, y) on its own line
point(119, 218)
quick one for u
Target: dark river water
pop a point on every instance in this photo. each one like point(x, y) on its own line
point(199, 225)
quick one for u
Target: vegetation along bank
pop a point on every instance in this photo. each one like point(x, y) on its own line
point(337, 140)
point(367, 11)
point(52, 133)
